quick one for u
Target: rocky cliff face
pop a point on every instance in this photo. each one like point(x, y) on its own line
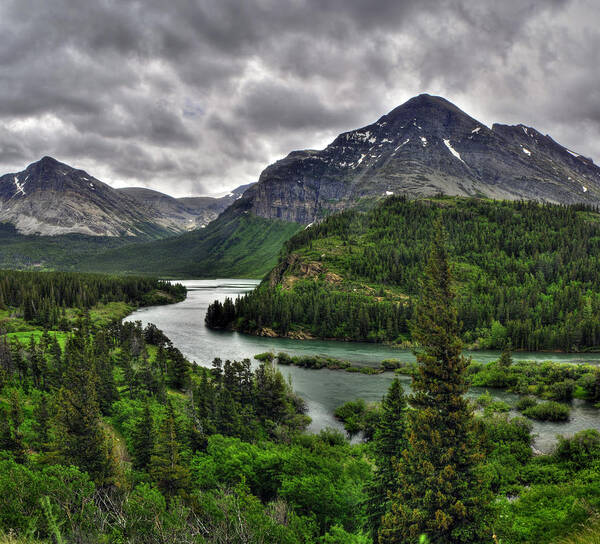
point(424, 147)
point(52, 198)
point(183, 214)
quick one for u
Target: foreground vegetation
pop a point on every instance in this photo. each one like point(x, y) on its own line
point(108, 434)
point(524, 272)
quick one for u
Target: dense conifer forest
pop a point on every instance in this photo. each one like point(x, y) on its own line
point(108, 434)
point(525, 273)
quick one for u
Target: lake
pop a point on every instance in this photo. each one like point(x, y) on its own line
point(324, 390)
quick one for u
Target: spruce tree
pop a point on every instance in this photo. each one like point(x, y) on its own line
point(165, 466)
point(143, 439)
point(80, 438)
point(11, 419)
point(439, 493)
point(505, 360)
point(389, 441)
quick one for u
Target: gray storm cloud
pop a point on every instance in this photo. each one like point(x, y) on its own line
point(195, 97)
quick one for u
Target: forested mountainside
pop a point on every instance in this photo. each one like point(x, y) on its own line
point(421, 148)
point(424, 147)
point(526, 273)
point(231, 246)
point(108, 434)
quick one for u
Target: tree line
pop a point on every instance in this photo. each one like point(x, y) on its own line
point(42, 297)
point(525, 273)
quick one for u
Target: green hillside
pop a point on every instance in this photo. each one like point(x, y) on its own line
point(525, 272)
point(18, 251)
point(231, 246)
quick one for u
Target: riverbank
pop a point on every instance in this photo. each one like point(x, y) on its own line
point(325, 390)
point(301, 334)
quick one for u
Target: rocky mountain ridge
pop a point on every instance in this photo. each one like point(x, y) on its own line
point(52, 198)
point(187, 213)
point(421, 148)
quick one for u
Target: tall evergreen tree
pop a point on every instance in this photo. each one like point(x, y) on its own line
point(165, 467)
point(389, 441)
point(439, 492)
point(81, 440)
point(143, 439)
point(11, 419)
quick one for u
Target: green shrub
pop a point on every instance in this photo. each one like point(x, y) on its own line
point(497, 406)
point(548, 411)
point(525, 402)
point(266, 356)
point(284, 358)
point(579, 450)
point(562, 391)
point(390, 364)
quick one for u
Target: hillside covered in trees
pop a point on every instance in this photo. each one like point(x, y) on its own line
point(525, 273)
point(108, 434)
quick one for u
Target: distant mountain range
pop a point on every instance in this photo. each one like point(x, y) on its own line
point(52, 198)
point(425, 147)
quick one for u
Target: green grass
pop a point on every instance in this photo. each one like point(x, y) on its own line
point(588, 534)
point(24, 337)
point(102, 314)
point(234, 245)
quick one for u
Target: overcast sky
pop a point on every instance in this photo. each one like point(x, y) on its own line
point(194, 97)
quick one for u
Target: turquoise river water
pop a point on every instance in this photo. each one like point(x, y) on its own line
point(325, 389)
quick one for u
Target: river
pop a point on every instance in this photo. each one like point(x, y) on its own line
point(324, 389)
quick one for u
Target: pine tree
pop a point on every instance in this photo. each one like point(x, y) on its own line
point(165, 467)
point(389, 441)
point(178, 369)
point(143, 439)
point(42, 422)
point(439, 493)
point(11, 437)
point(80, 438)
point(506, 360)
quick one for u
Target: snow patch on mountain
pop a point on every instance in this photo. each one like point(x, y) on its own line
point(453, 151)
point(19, 186)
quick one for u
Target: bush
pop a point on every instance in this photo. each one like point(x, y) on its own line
point(548, 411)
point(483, 400)
point(497, 406)
point(525, 402)
point(562, 391)
point(390, 364)
point(266, 356)
point(407, 368)
point(284, 358)
point(580, 449)
point(352, 415)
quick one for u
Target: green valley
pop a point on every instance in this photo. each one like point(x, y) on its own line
point(234, 245)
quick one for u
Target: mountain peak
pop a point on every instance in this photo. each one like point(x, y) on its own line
point(46, 160)
point(428, 104)
point(423, 147)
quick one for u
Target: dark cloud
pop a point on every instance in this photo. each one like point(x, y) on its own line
point(198, 96)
